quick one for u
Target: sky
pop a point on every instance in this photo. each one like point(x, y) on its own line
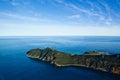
point(59, 17)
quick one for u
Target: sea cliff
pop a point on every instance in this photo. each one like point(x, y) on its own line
point(94, 60)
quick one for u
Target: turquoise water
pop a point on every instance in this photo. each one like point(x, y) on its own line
point(14, 65)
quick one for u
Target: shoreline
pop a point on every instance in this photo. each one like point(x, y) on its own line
point(61, 59)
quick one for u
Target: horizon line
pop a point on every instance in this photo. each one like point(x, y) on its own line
point(55, 35)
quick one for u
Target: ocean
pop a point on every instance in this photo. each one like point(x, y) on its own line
point(14, 65)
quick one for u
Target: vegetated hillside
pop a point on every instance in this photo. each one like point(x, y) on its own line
point(95, 60)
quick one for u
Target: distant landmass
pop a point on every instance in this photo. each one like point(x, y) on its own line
point(93, 59)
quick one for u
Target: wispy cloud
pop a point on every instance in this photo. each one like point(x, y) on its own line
point(36, 17)
point(59, 17)
point(76, 16)
point(104, 17)
point(107, 14)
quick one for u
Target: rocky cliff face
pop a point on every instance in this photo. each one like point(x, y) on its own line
point(47, 54)
point(98, 61)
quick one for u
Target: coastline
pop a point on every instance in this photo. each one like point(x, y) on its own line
point(55, 59)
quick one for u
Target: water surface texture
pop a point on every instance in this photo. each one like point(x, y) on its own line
point(14, 65)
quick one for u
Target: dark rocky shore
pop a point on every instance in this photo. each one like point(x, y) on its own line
point(94, 60)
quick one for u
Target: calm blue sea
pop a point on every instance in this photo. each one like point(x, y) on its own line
point(14, 65)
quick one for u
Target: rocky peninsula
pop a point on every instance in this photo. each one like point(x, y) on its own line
point(93, 59)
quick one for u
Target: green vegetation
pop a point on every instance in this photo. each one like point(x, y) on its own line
point(93, 59)
point(96, 53)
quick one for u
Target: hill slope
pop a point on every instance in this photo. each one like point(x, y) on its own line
point(94, 60)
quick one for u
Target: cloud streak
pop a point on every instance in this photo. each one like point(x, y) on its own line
point(103, 16)
point(76, 16)
point(37, 17)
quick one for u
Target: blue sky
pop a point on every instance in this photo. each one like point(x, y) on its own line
point(59, 17)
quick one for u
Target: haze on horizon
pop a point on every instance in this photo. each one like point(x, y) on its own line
point(59, 17)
